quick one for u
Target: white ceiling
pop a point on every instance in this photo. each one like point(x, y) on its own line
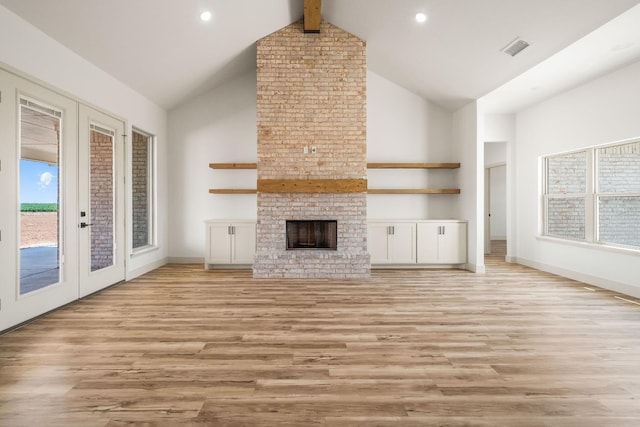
point(162, 50)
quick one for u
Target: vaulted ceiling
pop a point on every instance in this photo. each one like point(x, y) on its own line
point(161, 49)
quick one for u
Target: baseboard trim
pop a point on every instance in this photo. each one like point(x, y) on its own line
point(600, 282)
point(418, 266)
point(475, 268)
point(186, 260)
point(146, 268)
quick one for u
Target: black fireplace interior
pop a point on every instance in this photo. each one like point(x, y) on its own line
point(312, 234)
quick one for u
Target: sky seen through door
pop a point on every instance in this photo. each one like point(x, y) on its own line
point(38, 182)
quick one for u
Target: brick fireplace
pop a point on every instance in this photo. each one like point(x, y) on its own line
point(311, 110)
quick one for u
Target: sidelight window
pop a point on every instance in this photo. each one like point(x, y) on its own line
point(142, 177)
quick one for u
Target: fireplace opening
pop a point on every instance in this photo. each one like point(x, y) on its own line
point(312, 234)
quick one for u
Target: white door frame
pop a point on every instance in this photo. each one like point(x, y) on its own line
point(16, 308)
point(487, 204)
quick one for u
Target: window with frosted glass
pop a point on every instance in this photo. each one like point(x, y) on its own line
point(618, 194)
point(565, 195)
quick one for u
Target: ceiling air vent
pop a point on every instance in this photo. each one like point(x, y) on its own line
point(515, 47)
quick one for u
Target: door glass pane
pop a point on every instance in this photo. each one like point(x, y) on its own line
point(102, 198)
point(40, 135)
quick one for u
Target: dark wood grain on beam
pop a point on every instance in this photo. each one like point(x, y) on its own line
point(312, 13)
point(312, 185)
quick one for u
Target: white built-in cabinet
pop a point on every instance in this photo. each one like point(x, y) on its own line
point(442, 242)
point(419, 242)
point(392, 242)
point(230, 242)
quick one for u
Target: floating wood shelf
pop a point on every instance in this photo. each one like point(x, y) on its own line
point(369, 165)
point(233, 191)
point(413, 165)
point(370, 191)
point(233, 165)
point(337, 186)
point(414, 191)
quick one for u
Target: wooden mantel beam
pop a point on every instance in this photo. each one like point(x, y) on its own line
point(312, 10)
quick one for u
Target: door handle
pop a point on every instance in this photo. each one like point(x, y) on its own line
point(85, 225)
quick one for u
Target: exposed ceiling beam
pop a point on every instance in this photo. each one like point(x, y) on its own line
point(312, 10)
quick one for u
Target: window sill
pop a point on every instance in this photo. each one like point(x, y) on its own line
point(590, 245)
point(143, 250)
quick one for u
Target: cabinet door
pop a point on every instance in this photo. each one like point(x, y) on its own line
point(428, 242)
point(402, 243)
point(218, 244)
point(377, 242)
point(243, 243)
point(453, 243)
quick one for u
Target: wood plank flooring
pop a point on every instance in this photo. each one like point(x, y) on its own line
point(185, 346)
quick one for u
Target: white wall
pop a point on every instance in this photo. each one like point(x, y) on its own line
point(217, 127)
point(468, 133)
point(499, 127)
point(403, 127)
point(604, 110)
point(30, 52)
point(495, 153)
point(220, 126)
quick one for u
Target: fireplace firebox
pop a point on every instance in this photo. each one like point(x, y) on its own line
point(312, 234)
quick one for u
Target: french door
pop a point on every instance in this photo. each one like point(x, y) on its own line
point(100, 200)
point(61, 190)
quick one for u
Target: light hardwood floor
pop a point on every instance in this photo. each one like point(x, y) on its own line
point(184, 346)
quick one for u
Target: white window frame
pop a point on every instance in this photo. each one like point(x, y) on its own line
point(597, 195)
point(591, 197)
point(151, 193)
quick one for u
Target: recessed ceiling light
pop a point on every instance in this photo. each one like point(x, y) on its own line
point(421, 17)
point(205, 16)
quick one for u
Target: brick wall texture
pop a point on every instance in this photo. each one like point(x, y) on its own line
point(101, 188)
point(311, 92)
point(140, 196)
point(618, 171)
